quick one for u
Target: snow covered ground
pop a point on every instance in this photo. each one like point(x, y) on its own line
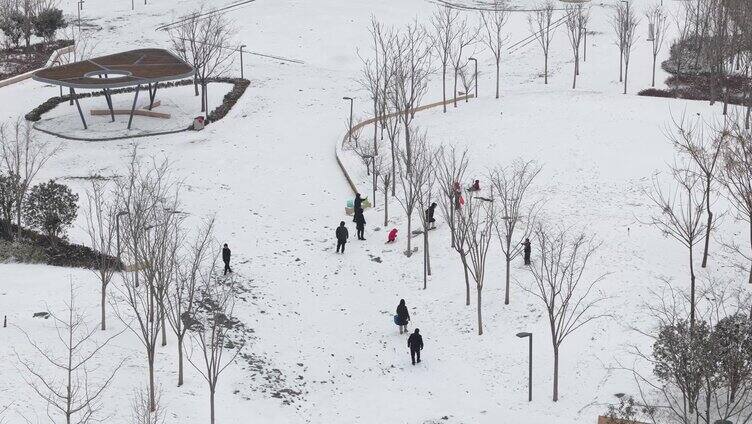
point(322, 322)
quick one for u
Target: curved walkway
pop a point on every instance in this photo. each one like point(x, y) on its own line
point(338, 147)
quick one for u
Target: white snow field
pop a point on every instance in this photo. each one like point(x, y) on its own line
point(325, 349)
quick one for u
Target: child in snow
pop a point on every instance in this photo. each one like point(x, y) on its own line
point(392, 236)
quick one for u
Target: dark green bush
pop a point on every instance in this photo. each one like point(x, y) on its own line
point(51, 208)
point(47, 22)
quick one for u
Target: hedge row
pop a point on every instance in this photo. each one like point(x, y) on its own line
point(52, 251)
point(239, 87)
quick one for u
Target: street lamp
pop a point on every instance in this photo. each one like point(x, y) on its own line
point(241, 60)
point(530, 365)
point(476, 74)
point(349, 133)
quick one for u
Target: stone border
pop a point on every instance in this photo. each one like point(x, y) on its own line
point(338, 147)
point(51, 61)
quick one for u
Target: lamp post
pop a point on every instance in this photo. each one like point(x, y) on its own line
point(349, 132)
point(475, 61)
point(529, 365)
point(241, 60)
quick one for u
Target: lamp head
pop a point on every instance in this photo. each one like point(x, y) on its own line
point(524, 334)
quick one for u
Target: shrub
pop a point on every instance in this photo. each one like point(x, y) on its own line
point(11, 24)
point(51, 208)
point(47, 22)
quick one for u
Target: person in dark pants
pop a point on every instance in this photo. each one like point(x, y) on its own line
point(415, 343)
point(360, 224)
point(526, 246)
point(342, 236)
point(403, 316)
point(430, 215)
point(226, 258)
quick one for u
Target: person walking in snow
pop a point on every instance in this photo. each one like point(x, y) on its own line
point(415, 343)
point(430, 216)
point(403, 316)
point(342, 236)
point(360, 224)
point(226, 258)
point(526, 252)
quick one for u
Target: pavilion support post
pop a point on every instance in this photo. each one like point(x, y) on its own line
point(78, 106)
point(133, 108)
point(152, 95)
point(71, 92)
point(108, 98)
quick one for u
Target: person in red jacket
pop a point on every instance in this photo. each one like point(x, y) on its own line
point(392, 236)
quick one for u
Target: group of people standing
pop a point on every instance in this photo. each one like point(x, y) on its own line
point(415, 340)
point(342, 234)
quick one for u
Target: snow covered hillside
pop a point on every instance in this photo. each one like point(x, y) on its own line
point(322, 345)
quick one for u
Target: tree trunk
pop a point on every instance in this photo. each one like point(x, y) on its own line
point(480, 315)
point(574, 78)
point(408, 148)
point(103, 303)
point(506, 293)
point(691, 290)
point(443, 85)
point(203, 97)
point(152, 397)
point(626, 75)
point(654, 59)
point(545, 68)
point(180, 360)
point(195, 85)
point(454, 93)
point(556, 373)
point(211, 403)
point(709, 224)
point(409, 236)
point(164, 329)
point(467, 280)
point(498, 59)
point(621, 65)
point(386, 206)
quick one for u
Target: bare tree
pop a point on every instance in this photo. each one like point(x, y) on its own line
point(101, 223)
point(618, 23)
point(426, 191)
point(141, 412)
point(679, 216)
point(467, 35)
point(451, 170)
point(467, 78)
point(541, 22)
point(705, 151)
point(383, 173)
point(737, 175)
point(658, 21)
point(494, 20)
point(211, 333)
point(412, 66)
point(412, 180)
point(203, 40)
point(193, 270)
point(23, 155)
point(148, 235)
point(443, 36)
point(630, 38)
point(561, 284)
point(682, 22)
point(392, 125)
point(68, 389)
point(475, 224)
point(510, 186)
point(576, 20)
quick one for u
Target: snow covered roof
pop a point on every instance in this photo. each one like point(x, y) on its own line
point(134, 67)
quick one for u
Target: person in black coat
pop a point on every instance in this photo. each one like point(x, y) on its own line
point(430, 215)
point(342, 236)
point(415, 343)
point(360, 224)
point(358, 202)
point(526, 253)
point(403, 316)
point(226, 258)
